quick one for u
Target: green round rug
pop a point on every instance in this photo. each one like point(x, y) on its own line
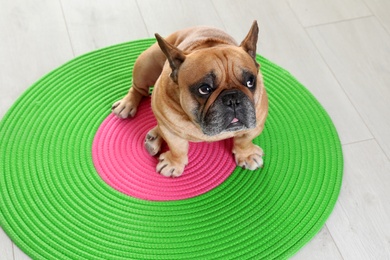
point(54, 205)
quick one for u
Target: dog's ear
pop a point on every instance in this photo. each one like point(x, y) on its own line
point(250, 41)
point(175, 56)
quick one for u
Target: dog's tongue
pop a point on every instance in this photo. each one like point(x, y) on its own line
point(234, 120)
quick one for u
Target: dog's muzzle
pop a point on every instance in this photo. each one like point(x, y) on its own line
point(231, 111)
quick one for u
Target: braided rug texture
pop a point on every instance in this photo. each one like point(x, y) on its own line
point(54, 204)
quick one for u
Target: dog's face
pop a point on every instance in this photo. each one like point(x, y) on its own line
point(219, 95)
point(218, 85)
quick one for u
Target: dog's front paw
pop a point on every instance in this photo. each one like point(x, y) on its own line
point(170, 167)
point(153, 142)
point(250, 158)
point(124, 108)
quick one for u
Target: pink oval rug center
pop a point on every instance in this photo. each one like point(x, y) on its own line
point(121, 160)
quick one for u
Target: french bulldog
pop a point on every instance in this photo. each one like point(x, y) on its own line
point(206, 88)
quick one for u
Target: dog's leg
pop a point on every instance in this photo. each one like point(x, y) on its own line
point(247, 154)
point(146, 71)
point(173, 162)
point(153, 141)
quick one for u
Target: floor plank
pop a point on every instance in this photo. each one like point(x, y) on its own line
point(6, 252)
point(381, 9)
point(312, 13)
point(34, 41)
point(360, 222)
point(19, 254)
point(358, 53)
point(284, 41)
point(94, 24)
point(165, 17)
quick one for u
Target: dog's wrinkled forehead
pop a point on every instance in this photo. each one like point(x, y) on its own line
point(227, 64)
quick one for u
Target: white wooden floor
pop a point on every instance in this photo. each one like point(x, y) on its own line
point(340, 50)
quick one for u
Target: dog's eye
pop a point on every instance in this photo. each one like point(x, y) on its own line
point(250, 82)
point(205, 89)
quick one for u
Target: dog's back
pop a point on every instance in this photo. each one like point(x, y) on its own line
point(199, 37)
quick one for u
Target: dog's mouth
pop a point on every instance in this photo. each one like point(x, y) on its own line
point(235, 125)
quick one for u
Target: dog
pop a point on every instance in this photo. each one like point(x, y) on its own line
point(206, 88)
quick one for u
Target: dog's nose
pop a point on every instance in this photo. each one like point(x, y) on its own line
point(231, 98)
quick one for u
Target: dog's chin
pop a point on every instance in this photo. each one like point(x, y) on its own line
point(235, 126)
point(232, 125)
